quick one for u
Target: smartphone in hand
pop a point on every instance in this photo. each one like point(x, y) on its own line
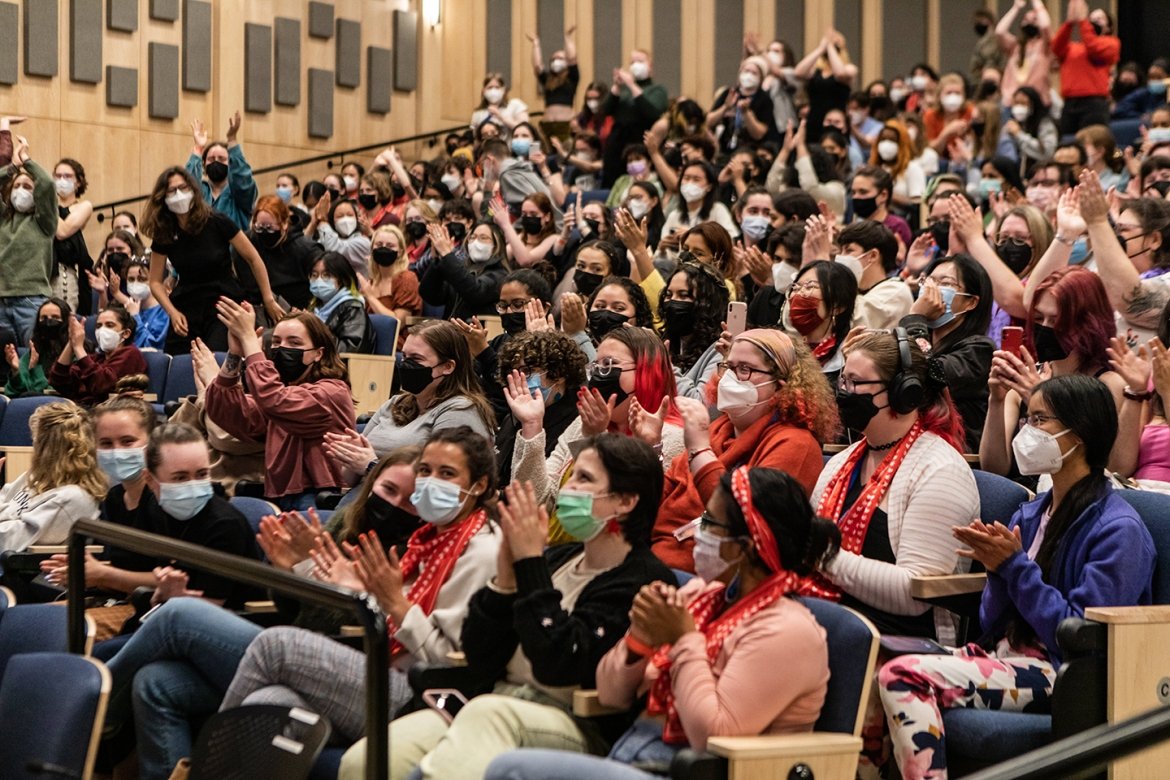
point(736, 317)
point(1013, 339)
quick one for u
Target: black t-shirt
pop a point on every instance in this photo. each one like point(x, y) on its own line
point(203, 259)
point(823, 94)
point(564, 93)
point(114, 510)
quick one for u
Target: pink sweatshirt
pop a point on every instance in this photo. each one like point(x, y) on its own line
point(770, 676)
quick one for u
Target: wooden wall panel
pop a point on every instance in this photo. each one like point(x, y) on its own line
point(499, 37)
point(197, 49)
point(607, 38)
point(122, 15)
point(904, 50)
point(728, 42)
point(789, 25)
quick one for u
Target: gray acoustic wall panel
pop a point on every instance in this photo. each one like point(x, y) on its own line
point(9, 43)
point(257, 68)
point(904, 35)
point(288, 62)
point(163, 62)
point(956, 39)
point(40, 38)
point(607, 38)
point(349, 53)
point(196, 46)
point(122, 15)
point(379, 80)
point(320, 103)
point(789, 26)
point(85, 41)
point(406, 50)
point(121, 87)
point(499, 38)
point(668, 44)
point(321, 20)
point(164, 10)
point(847, 20)
point(550, 25)
point(728, 41)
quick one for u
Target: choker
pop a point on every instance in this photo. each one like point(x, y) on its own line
point(883, 447)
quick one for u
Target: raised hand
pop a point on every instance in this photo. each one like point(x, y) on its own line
point(527, 406)
point(816, 240)
point(967, 222)
point(1017, 373)
point(1132, 366)
point(595, 412)
point(12, 357)
point(757, 265)
point(1094, 206)
point(234, 122)
point(276, 542)
point(1069, 221)
point(76, 333)
point(199, 134)
point(203, 360)
point(474, 334)
point(380, 574)
point(333, 567)
point(440, 239)
point(630, 231)
point(573, 316)
point(535, 319)
point(524, 521)
point(645, 425)
point(696, 422)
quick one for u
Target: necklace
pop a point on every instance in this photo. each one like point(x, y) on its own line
point(883, 447)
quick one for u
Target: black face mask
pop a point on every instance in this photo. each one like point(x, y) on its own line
point(602, 321)
point(334, 194)
point(1162, 187)
point(941, 233)
point(416, 231)
point(117, 261)
point(216, 171)
point(864, 208)
point(413, 377)
point(1015, 256)
point(530, 225)
point(1122, 88)
point(678, 318)
point(266, 239)
point(393, 524)
point(1048, 346)
point(981, 28)
point(986, 89)
point(594, 226)
point(289, 363)
point(856, 409)
point(384, 256)
point(47, 334)
point(586, 282)
point(1030, 30)
point(1097, 28)
point(397, 190)
point(457, 231)
point(610, 385)
point(369, 202)
point(514, 322)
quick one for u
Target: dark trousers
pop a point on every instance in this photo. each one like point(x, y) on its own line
point(1081, 112)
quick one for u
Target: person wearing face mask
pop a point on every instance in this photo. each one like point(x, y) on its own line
point(532, 237)
point(705, 653)
point(288, 188)
point(1028, 56)
point(337, 302)
point(198, 242)
point(1085, 66)
point(1144, 100)
point(828, 78)
point(337, 228)
point(1068, 330)
point(1030, 135)
point(871, 194)
point(773, 271)
point(89, 378)
point(951, 119)
point(894, 153)
point(616, 302)
point(644, 201)
point(63, 483)
point(50, 334)
point(376, 197)
point(71, 259)
point(897, 492)
point(417, 218)
point(987, 52)
point(390, 287)
point(288, 254)
point(533, 634)
point(634, 102)
point(692, 307)
point(225, 176)
point(298, 393)
point(465, 280)
point(151, 323)
point(28, 223)
point(775, 411)
point(351, 178)
point(870, 250)
point(743, 114)
point(495, 105)
point(558, 82)
point(640, 166)
point(1076, 546)
point(553, 369)
point(696, 204)
point(819, 308)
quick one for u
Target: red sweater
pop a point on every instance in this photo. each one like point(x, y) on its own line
point(291, 420)
point(1085, 64)
point(92, 379)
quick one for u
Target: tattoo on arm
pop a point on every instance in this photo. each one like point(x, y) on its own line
point(231, 366)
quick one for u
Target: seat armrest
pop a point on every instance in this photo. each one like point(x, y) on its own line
point(690, 764)
point(257, 607)
point(1128, 616)
point(943, 585)
point(587, 704)
point(423, 676)
point(457, 658)
point(779, 746)
point(1078, 638)
point(821, 754)
point(63, 549)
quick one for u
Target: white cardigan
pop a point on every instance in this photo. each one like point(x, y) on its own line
point(933, 491)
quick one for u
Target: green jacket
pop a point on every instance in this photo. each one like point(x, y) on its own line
point(28, 381)
point(26, 240)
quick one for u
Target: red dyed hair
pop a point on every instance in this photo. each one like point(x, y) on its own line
point(653, 375)
point(1084, 317)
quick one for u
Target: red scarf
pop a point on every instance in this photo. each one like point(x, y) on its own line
point(824, 350)
point(439, 551)
point(855, 523)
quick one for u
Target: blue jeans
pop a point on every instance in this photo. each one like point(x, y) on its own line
point(19, 314)
point(176, 667)
point(642, 743)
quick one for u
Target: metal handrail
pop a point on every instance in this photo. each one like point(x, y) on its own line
point(1087, 752)
point(251, 572)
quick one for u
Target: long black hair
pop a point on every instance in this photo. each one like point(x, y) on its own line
point(838, 291)
point(710, 295)
point(975, 281)
point(709, 199)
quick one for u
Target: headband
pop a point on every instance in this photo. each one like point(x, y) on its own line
point(759, 529)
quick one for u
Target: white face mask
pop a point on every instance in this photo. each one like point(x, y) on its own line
point(919, 82)
point(748, 80)
point(108, 339)
point(64, 187)
point(897, 95)
point(593, 105)
point(888, 150)
point(139, 291)
point(493, 95)
point(709, 564)
point(640, 70)
point(23, 200)
point(1020, 112)
point(351, 183)
point(692, 192)
point(776, 58)
point(734, 396)
point(558, 65)
point(637, 208)
point(179, 202)
point(451, 181)
point(782, 276)
point(853, 264)
point(952, 102)
point(345, 226)
point(1038, 452)
point(479, 251)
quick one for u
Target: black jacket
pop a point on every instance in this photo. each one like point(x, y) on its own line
point(558, 416)
point(463, 289)
point(351, 326)
point(288, 267)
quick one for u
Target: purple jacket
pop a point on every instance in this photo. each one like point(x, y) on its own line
point(1106, 559)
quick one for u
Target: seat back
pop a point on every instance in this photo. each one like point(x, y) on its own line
point(853, 646)
point(999, 497)
point(1154, 509)
point(91, 328)
point(51, 710)
point(7, 598)
point(385, 333)
point(254, 509)
point(180, 379)
point(259, 742)
point(14, 428)
point(32, 628)
point(158, 364)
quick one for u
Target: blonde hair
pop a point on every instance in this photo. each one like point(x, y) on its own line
point(64, 451)
point(377, 272)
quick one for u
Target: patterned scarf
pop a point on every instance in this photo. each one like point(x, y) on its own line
point(823, 351)
point(855, 523)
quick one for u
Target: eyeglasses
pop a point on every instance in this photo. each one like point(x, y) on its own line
point(849, 384)
point(742, 371)
point(1013, 240)
point(514, 305)
point(703, 522)
point(603, 368)
point(1036, 419)
point(804, 287)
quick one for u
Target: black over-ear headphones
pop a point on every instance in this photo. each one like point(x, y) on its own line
point(906, 390)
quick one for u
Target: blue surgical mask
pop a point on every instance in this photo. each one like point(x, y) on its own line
point(122, 465)
point(323, 289)
point(284, 193)
point(948, 297)
point(184, 500)
point(1080, 251)
point(1156, 87)
point(520, 146)
point(437, 501)
point(535, 383)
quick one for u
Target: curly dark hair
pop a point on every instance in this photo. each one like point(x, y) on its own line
point(711, 296)
point(551, 351)
point(643, 314)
